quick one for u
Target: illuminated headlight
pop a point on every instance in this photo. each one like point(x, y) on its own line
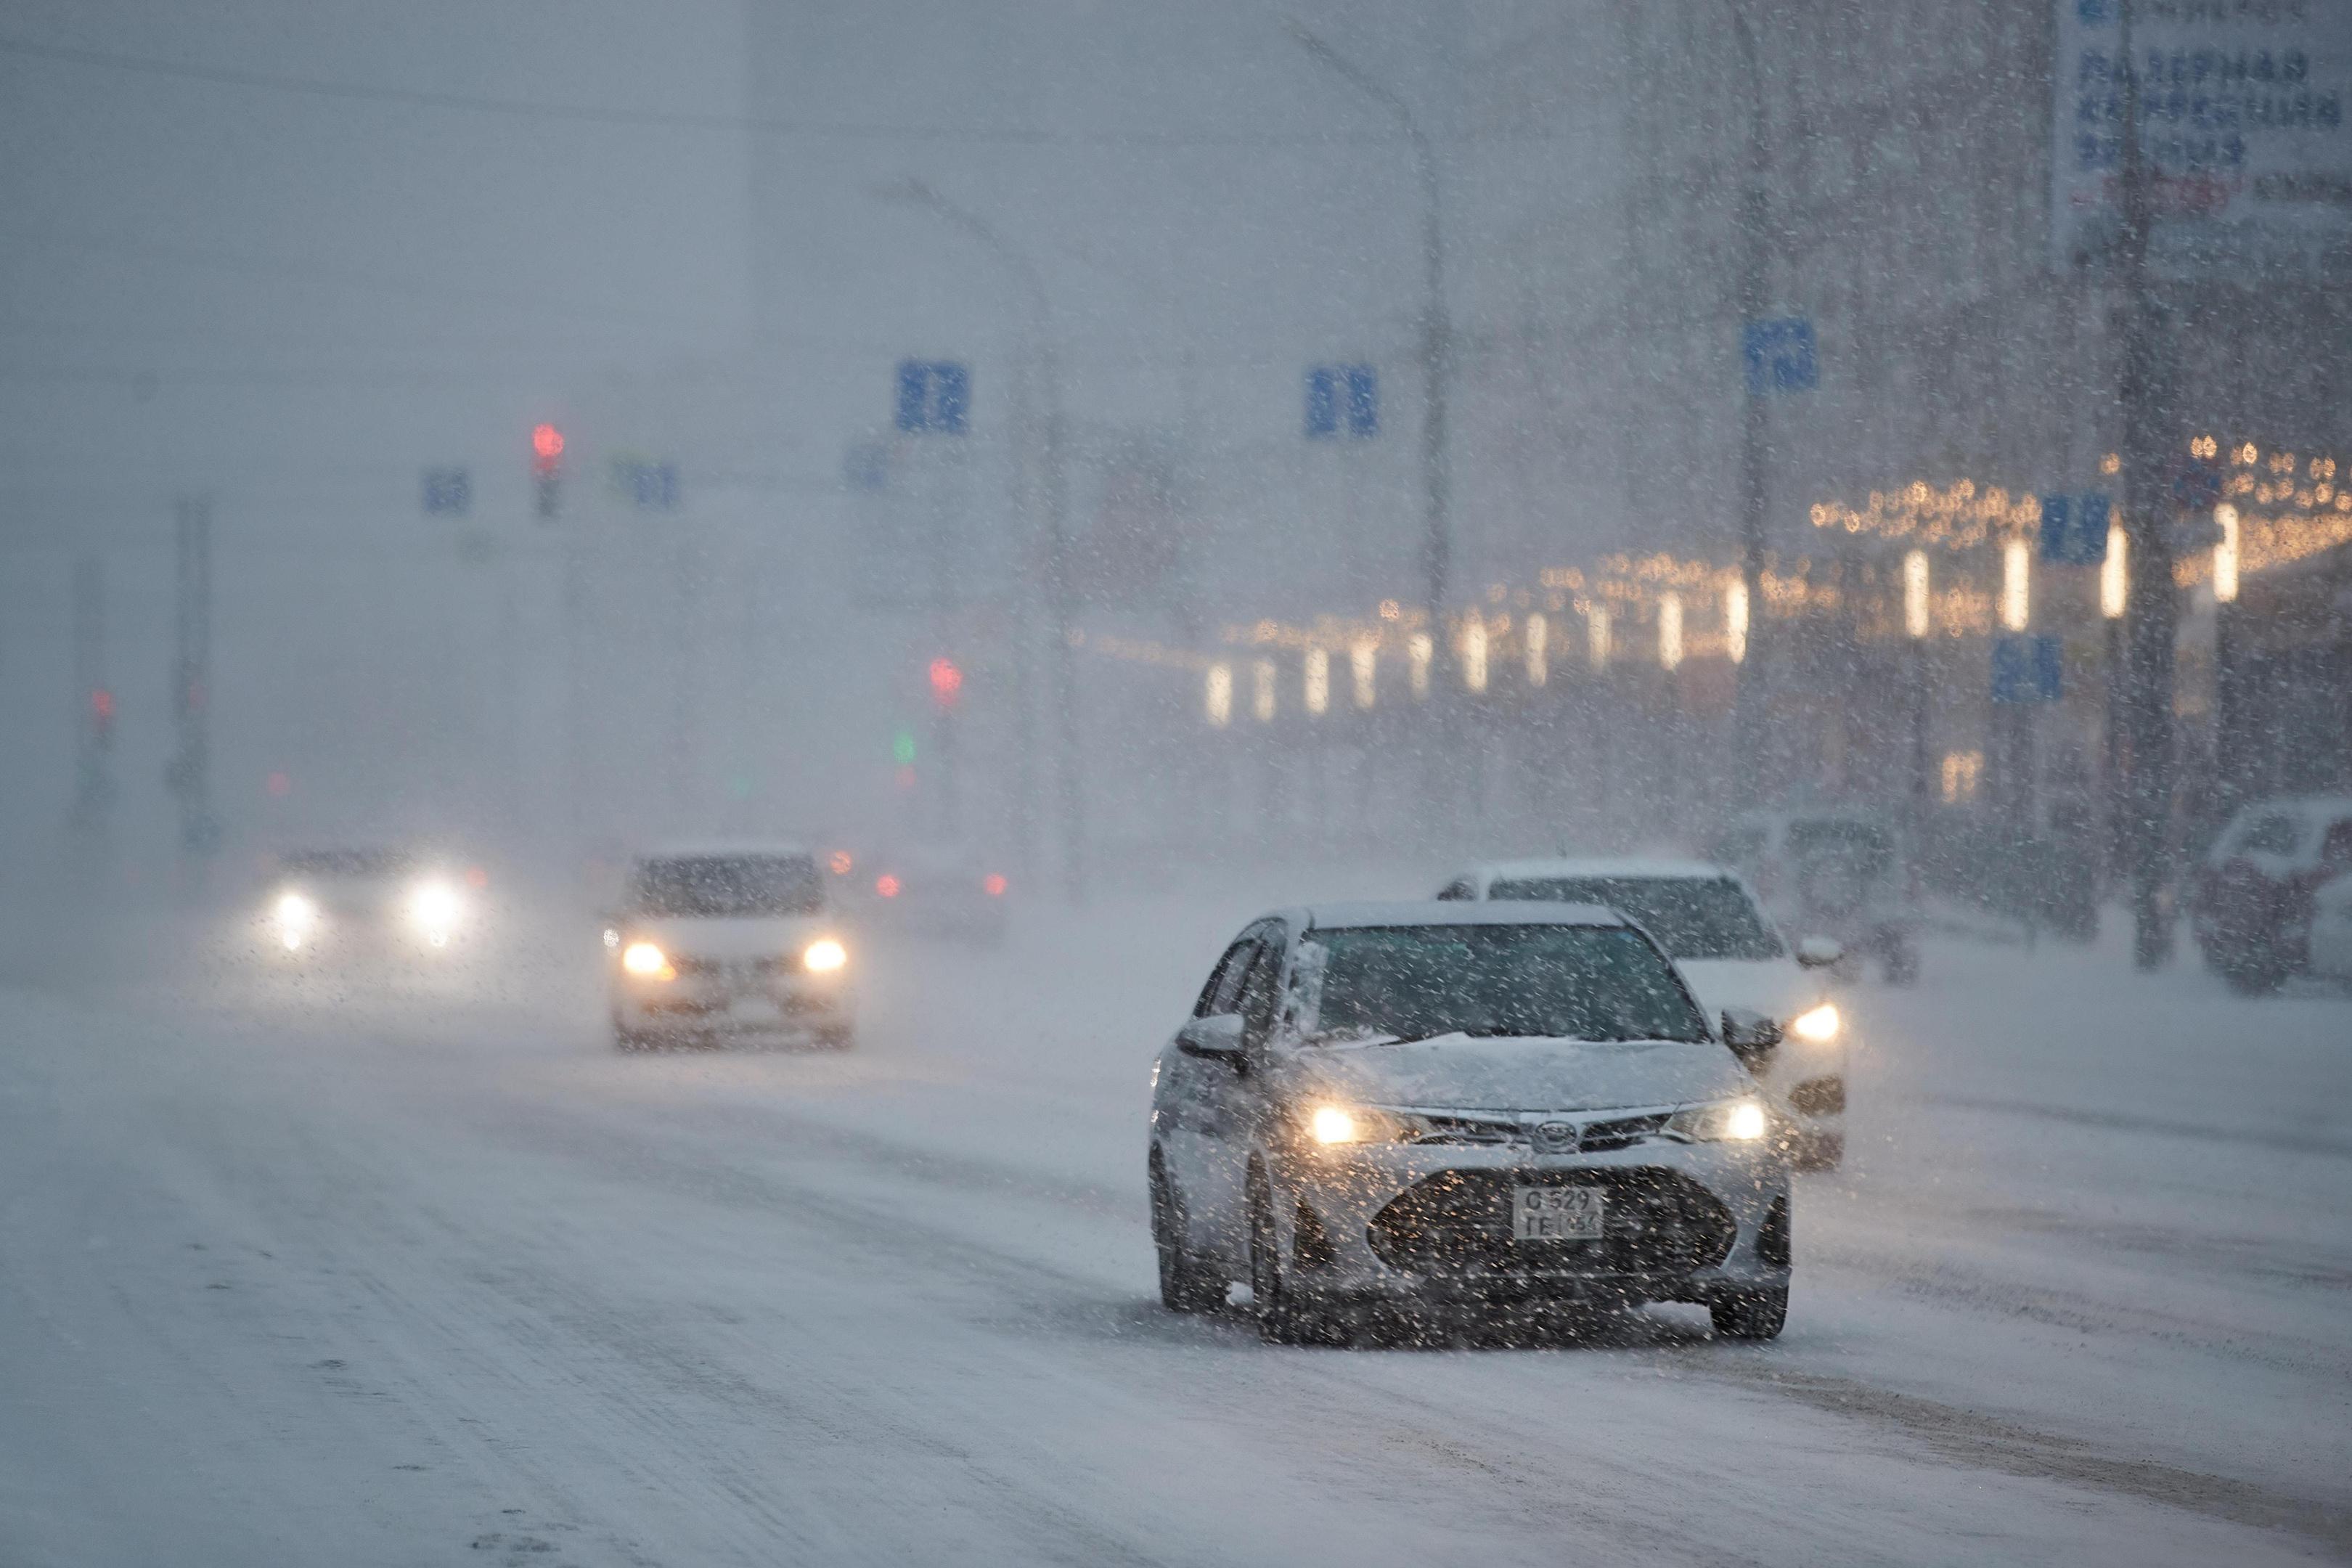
point(1331, 1124)
point(646, 962)
point(1820, 1025)
point(1724, 1122)
point(436, 906)
point(296, 912)
point(823, 955)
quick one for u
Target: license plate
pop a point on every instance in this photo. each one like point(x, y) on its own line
point(1556, 1213)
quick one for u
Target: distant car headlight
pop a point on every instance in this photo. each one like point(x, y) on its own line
point(436, 906)
point(1820, 1025)
point(823, 955)
point(296, 912)
point(1724, 1121)
point(646, 962)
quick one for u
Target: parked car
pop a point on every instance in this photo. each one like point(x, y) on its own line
point(1414, 1109)
point(1839, 873)
point(2255, 895)
point(724, 941)
point(1711, 925)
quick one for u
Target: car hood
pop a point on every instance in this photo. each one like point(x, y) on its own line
point(1780, 988)
point(1459, 1073)
point(761, 938)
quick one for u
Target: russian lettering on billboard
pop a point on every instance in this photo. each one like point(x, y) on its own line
point(2242, 127)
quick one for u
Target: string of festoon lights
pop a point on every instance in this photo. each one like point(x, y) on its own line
point(1918, 561)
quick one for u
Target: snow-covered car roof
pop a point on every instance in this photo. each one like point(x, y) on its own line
point(2310, 808)
point(1603, 866)
point(711, 849)
point(1451, 912)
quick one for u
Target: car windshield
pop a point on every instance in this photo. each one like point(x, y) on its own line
point(1691, 917)
point(721, 886)
point(1868, 851)
point(1562, 982)
point(356, 865)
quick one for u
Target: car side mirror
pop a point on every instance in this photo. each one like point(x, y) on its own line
point(1215, 1038)
point(1752, 1036)
point(1820, 952)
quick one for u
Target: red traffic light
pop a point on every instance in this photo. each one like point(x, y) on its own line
point(992, 885)
point(546, 446)
point(946, 680)
point(101, 705)
point(886, 885)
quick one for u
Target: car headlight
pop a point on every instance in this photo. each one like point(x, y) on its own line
point(646, 962)
point(296, 912)
point(1724, 1121)
point(823, 955)
point(1820, 1025)
point(436, 906)
point(1330, 1123)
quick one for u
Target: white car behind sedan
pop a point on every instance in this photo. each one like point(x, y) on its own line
point(1712, 925)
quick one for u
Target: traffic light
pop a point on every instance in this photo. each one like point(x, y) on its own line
point(947, 681)
point(547, 467)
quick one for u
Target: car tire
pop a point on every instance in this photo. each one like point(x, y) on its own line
point(1750, 1315)
point(1184, 1284)
point(1284, 1315)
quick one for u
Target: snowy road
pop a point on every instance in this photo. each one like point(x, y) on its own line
point(349, 1279)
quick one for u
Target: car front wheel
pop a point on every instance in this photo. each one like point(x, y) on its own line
point(1184, 1284)
point(1750, 1315)
point(1285, 1317)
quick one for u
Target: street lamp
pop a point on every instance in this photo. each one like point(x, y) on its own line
point(1436, 328)
point(918, 192)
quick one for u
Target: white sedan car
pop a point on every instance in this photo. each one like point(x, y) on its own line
point(1712, 925)
point(723, 942)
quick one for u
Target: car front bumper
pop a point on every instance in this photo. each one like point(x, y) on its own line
point(727, 1002)
point(1416, 1223)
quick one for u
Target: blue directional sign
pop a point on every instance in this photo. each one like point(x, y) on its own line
point(1779, 355)
point(448, 492)
point(1336, 390)
point(2075, 529)
point(934, 396)
point(2025, 670)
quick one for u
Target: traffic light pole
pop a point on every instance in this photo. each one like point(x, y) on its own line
point(189, 773)
point(2151, 607)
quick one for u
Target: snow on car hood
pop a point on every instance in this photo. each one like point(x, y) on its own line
point(1780, 988)
point(765, 937)
point(1458, 1072)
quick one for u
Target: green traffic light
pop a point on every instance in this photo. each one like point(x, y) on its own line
point(902, 748)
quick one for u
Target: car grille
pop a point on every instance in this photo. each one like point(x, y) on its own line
point(1458, 1223)
point(1500, 1132)
point(737, 969)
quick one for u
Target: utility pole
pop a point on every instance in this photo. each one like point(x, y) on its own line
point(188, 776)
point(1749, 718)
point(93, 698)
point(2152, 608)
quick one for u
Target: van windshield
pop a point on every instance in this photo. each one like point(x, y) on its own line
point(719, 887)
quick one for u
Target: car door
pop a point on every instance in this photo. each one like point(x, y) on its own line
point(1227, 1104)
point(1190, 1100)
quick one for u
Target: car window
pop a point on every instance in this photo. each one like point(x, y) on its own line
point(1256, 1003)
point(1556, 982)
point(1459, 888)
point(719, 887)
point(1216, 996)
point(2273, 833)
point(1691, 917)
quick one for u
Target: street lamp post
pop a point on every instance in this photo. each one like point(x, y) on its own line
point(1749, 696)
point(1436, 331)
point(1055, 484)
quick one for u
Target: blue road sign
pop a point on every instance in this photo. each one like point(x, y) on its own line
point(1779, 355)
point(2075, 529)
point(1334, 391)
point(448, 492)
point(2025, 670)
point(934, 396)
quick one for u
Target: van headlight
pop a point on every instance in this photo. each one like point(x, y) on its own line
point(296, 912)
point(1820, 1025)
point(1722, 1122)
point(823, 956)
